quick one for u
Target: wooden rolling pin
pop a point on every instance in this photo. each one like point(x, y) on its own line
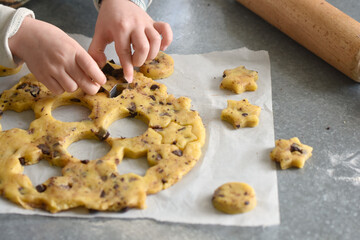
point(317, 25)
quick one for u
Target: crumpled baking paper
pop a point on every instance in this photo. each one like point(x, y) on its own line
point(229, 155)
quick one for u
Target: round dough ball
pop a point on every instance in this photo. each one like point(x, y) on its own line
point(162, 66)
point(234, 197)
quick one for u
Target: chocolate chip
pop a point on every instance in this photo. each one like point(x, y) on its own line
point(123, 210)
point(21, 190)
point(104, 178)
point(177, 152)
point(102, 134)
point(1, 113)
point(244, 114)
point(85, 161)
point(154, 87)
point(75, 100)
point(165, 114)
point(157, 127)
point(238, 126)
point(246, 202)
point(112, 61)
point(152, 97)
point(294, 147)
point(180, 129)
point(34, 90)
point(40, 188)
point(102, 194)
point(113, 175)
point(224, 75)
point(158, 157)
point(22, 161)
point(44, 149)
point(132, 110)
point(21, 86)
point(163, 181)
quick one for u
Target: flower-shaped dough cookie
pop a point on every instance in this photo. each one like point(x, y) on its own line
point(290, 153)
point(241, 114)
point(239, 80)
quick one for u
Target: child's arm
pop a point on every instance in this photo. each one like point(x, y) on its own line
point(55, 59)
point(126, 24)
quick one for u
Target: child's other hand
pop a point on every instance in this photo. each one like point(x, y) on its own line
point(55, 59)
point(124, 23)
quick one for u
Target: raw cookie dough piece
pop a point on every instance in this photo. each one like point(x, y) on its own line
point(239, 80)
point(171, 144)
point(162, 66)
point(290, 153)
point(234, 197)
point(4, 71)
point(241, 114)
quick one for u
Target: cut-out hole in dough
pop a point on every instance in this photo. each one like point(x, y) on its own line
point(40, 172)
point(71, 113)
point(127, 127)
point(11, 119)
point(138, 166)
point(88, 149)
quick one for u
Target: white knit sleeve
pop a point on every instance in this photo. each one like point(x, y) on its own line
point(10, 22)
point(144, 4)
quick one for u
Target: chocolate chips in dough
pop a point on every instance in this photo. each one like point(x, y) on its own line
point(171, 144)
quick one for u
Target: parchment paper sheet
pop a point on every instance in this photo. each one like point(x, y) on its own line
point(228, 155)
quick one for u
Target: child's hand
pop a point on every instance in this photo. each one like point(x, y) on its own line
point(55, 59)
point(124, 23)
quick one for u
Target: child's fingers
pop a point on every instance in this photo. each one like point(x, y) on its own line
point(89, 66)
point(122, 47)
point(141, 47)
point(155, 42)
point(167, 35)
point(97, 48)
point(66, 82)
point(53, 85)
point(83, 80)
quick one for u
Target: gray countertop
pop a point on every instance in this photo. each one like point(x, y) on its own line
point(311, 100)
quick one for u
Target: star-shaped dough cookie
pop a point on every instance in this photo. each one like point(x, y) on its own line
point(177, 135)
point(290, 153)
point(239, 80)
point(241, 114)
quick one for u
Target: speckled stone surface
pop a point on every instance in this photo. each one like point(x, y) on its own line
point(311, 100)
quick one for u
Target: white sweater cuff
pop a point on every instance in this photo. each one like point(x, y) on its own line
point(10, 22)
point(144, 4)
